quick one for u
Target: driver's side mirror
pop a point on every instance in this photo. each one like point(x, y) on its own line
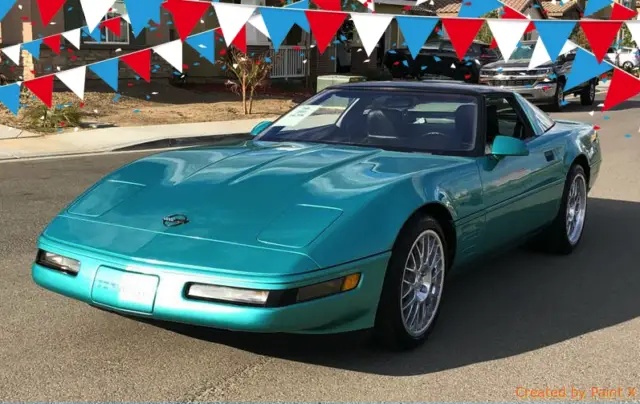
point(259, 128)
point(508, 146)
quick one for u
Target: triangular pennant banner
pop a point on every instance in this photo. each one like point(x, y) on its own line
point(10, 97)
point(74, 79)
point(204, 44)
point(512, 14)
point(541, 56)
point(53, 42)
point(42, 87)
point(622, 13)
point(48, 9)
point(172, 52)
point(186, 15)
point(416, 30)
point(108, 71)
point(140, 62)
point(141, 12)
point(324, 25)
point(330, 5)
point(257, 22)
point(593, 6)
point(33, 48)
point(279, 22)
point(13, 52)
point(5, 7)
point(302, 19)
point(554, 34)
point(73, 36)
point(232, 18)
point(113, 24)
point(240, 41)
point(369, 4)
point(507, 34)
point(477, 8)
point(370, 27)
point(584, 68)
point(462, 32)
point(96, 34)
point(623, 86)
point(600, 35)
point(94, 11)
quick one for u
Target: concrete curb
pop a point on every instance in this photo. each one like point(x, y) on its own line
point(186, 142)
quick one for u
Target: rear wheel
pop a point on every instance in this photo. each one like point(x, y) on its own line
point(627, 66)
point(559, 97)
point(588, 94)
point(412, 291)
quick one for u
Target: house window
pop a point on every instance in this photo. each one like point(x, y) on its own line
point(108, 36)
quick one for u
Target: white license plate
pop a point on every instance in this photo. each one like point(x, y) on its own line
point(134, 288)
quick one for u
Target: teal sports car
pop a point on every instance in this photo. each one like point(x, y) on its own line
point(347, 213)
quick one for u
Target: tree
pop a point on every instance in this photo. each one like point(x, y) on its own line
point(579, 38)
point(485, 34)
point(249, 74)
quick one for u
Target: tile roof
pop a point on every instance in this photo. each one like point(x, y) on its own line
point(450, 8)
point(558, 10)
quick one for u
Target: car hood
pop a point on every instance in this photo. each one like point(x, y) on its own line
point(264, 195)
point(514, 64)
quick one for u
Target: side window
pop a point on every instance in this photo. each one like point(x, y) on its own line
point(503, 120)
point(539, 120)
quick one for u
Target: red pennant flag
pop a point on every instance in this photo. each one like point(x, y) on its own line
point(113, 24)
point(623, 86)
point(331, 5)
point(324, 26)
point(53, 42)
point(48, 9)
point(462, 32)
point(186, 14)
point(140, 62)
point(600, 35)
point(42, 87)
point(494, 44)
point(622, 13)
point(240, 41)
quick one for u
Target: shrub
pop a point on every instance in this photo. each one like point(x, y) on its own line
point(48, 120)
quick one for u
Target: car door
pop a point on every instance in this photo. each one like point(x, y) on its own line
point(518, 190)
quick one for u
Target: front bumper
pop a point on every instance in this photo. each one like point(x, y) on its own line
point(347, 311)
point(541, 93)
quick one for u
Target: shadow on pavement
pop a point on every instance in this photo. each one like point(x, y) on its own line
point(518, 303)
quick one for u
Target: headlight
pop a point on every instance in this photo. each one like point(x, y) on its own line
point(57, 262)
point(228, 294)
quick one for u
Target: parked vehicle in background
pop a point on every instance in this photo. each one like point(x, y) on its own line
point(438, 60)
point(626, 57)
point(543, 85)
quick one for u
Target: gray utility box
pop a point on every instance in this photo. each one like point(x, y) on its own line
point(330, 80)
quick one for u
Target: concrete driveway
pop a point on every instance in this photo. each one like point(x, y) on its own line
point(521, 321)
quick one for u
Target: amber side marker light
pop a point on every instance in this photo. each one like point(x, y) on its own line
point(328, 288)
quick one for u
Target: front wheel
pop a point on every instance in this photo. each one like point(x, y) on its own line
point(559, 98)
point(412, 291)
point(588, 94)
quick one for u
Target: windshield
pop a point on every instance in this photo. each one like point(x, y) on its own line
point(524, 52)
point(401, 120)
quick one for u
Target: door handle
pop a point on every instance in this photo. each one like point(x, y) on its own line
point(549, 155)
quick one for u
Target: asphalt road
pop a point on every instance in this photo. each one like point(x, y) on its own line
point(523, 320)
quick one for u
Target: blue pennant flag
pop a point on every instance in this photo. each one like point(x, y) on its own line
point(593, 6)
point(205, 44)
point(141, 12)
point(584, 68)
point(554, 34)
point(416, 30)
point(478, 8)
point(33, 48)
point(301, 18)
point(279, 22)
point(96, 34)
point(10, 97)
point(107, 71)
point(5, 7)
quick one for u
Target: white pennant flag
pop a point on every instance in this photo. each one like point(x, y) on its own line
point(172, 53)
point(126, 17)
point(258, 23)
point(634, 28)
point(368, 4)
point(370, 28)
point(13, 53)
point(74, 79)
point(232, 17)
point(507, 34)
point(94, 11)
point(541, 56)
point(73, 36)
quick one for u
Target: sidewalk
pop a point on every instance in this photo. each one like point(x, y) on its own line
point(110, 139)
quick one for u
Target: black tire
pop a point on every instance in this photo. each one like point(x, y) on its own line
point(588, 94)
point(555, 239)
point(628, 66)
point(558, 97)
point(389, 330)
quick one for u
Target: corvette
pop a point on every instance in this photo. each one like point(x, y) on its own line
point(347, 213)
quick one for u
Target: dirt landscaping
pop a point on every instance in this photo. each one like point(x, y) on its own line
point(139, 104)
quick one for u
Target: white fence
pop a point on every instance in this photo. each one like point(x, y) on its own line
point(289, 61)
